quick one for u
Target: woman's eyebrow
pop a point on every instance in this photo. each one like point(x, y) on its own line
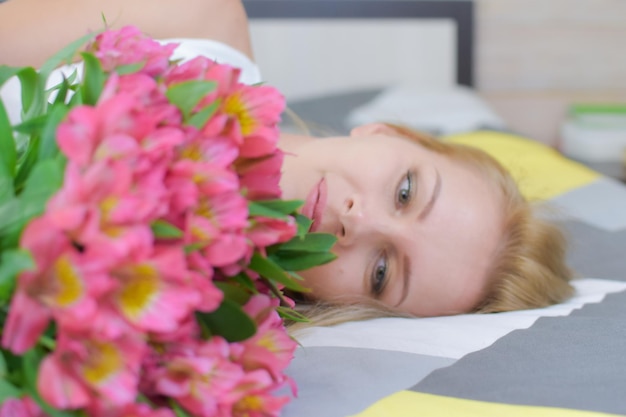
point(428, 207)
point(406, 279)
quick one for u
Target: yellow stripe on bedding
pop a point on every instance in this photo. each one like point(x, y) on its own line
point(540, 171)
point(412, 404)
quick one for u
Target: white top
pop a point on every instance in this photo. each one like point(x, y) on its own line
point(10, 93)
point(219, 52)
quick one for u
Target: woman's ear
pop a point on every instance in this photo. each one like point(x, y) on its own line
point(372, 129)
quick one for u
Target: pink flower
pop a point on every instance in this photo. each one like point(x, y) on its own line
point(252, 397)
point(64, 285)
point(115, 48)
point(218, 224)
point(259, 178)
point(204, 69)
point(86, 368)
point(267, 231)
point(226, 249)
point(259, 404)
point(188, 182)
point(105, 213)
point(256, 112)
point(20, 407)
point(143, 410)
point(271, 348)
point(198, 377)
point(219, 151)
point(130, 122)
point(157, 293)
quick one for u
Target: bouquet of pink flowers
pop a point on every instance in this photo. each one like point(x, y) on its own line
point(144, 247)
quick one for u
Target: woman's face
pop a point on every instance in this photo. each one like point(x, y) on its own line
point(416, 230)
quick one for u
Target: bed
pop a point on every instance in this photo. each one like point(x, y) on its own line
point(564, 360)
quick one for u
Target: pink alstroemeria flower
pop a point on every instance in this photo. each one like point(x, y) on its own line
point(127, 46)
point(271, 348)
point(156, 294)
point(20, 407)
point(144, 410)
point(198, 377)
point(64, 286)
point(259, 404)
point(252, 397)
point(204, 69)
point(86, 369)
point(256, 112)
point(104, 213)
point(266, 231)
point(260, 177)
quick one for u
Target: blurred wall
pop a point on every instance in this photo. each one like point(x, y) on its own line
point(534, 57)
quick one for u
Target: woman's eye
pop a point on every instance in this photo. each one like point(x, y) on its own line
point(405, 189)
point(379, 275)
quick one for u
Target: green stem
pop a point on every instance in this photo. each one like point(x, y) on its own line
point(47, 342)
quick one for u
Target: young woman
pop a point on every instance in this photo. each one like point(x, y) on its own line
point(424, 228)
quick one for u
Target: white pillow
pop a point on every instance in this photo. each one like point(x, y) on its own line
point(439, 111)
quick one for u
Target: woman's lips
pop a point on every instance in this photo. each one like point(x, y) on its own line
point(315, 204)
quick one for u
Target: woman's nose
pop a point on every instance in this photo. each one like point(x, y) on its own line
point(356, 221)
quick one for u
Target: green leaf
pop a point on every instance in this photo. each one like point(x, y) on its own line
point(8, 391)
point(3, 365)
point(32, 92)
point(32, 126)
point(233, 292)
point(199, 119)
point(192, 247)
point(7, 72)
point(9, 211)
point(12, 263)
point(164, 230)
point(187, 94)
point(228, 321)
point(129, 68)
point(26, 163)
point(65, 55)
point(93, 79)
point(311, 242)
point(299, 261)
point(48, 147)
point(45, 179)
point(271, 270)
point(178, 410)
point(256, 209)
point(62, 89)
point(244, 280)
point(291, 314)
point(280, 206)
point(304, 224)
point(8, 153)
point(30, 366)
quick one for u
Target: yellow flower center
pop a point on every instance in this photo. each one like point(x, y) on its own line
point(247, 404)
point(69, 286)
point(204, 209)
point(106, 207)
point(192, 152)
point(200, 235)
point(268, 343)
point(103, 361)
point(236, 107)
point(141, 285)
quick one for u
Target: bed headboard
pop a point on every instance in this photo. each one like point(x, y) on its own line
point(313, 47)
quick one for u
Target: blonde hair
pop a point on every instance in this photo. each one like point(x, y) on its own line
point(529, 270)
